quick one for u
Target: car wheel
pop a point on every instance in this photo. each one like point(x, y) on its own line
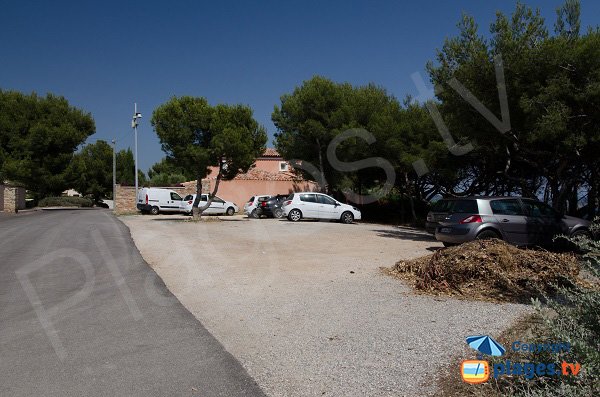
point(154, 211)
point(255, 214)
point(580, 233)
point(230, 211)
point(295, 215)
point(488, 234)
point(277, 213)
point(347, 217)
point(449, 244)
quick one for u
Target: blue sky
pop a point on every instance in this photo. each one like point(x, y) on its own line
point(105, 55)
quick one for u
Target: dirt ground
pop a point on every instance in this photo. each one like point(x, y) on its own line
point(305, 306)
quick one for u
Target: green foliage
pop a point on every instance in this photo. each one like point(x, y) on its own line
point(196, 136)
point(165, 179)
point(65, 202)
point(574, 317)
point(38, 136)
point(167, 173)
point(92, 170)
point(552, 85)
point(316, 112)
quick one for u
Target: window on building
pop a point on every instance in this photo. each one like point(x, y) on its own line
point(283, 166)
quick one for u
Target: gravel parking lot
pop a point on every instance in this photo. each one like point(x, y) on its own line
point(305, 307)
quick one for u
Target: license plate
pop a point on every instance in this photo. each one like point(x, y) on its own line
point(445, 230)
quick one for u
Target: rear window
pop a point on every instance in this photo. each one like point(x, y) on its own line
point(310, 198)
point(291, 196)
point(189, 197)
point(506, 207)
point(456, 206)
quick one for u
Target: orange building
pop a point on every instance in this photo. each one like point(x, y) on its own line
point(270, 175)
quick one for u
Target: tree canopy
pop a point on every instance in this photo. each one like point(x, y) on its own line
point(91, 170)
point(166, 173)
point(197, 136)
point(552, 90)
point(365, 124)
point(38, 136)
point(514, 113)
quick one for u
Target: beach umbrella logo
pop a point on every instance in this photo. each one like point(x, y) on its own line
point(486, 345)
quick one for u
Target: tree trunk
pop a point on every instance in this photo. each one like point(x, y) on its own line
point(410, 192)
point(573, 200)
point(196, 213)
point(324, 189)
point(592, 193)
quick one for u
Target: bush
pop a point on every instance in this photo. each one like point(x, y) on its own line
point(572, 316)
point(65, 202)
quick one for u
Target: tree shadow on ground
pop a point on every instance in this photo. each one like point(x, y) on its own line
point(405, 234)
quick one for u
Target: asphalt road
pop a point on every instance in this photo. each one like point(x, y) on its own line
point(81, 313)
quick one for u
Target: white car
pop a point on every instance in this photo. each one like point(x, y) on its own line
point(318, 206)
point(218, 205)
point(252, 206)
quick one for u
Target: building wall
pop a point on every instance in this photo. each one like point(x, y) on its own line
point(269, 164)
point(13, 198)
point(239, 191)
point(1, 197)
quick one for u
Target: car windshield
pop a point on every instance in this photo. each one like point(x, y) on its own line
point(456, 206)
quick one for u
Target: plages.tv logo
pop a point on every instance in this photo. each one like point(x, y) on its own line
point(479, 371)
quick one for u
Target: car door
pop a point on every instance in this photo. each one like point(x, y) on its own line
point(544, 221)
point(173, 204)
point(309, 205)
point(202, 203)
point(511, 220)
point(217, 206)
point(328, 208)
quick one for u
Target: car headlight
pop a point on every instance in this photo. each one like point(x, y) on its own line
point(355, 209)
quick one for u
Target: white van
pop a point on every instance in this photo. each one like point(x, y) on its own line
point(155, 200)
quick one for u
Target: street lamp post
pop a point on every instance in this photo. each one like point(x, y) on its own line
point(114, 142)
point(134, 124)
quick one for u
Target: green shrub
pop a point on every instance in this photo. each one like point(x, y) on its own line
point(573, 316)
point(65, 202)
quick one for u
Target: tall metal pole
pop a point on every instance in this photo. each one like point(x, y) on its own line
point(114, 142)
point(136, 163)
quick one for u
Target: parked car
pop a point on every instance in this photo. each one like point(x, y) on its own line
point(217, 206)
point(318, 206)
point(156, 200)
point(271, 208)
point(252, 208)
point(517, 220)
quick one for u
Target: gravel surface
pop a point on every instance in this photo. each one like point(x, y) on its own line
point(305, 306)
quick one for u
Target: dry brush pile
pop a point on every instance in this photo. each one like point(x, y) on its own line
point(490, 270)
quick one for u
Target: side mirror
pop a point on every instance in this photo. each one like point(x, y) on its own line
point(336, 204)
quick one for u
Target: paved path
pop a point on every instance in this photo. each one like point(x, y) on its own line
point(81, 313)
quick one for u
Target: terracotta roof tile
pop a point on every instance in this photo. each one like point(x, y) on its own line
point(271, 152)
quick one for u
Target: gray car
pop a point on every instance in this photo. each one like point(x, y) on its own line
point(516, 220)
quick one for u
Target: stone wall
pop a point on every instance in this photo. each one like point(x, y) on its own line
point(13, 198)
point(1, 198)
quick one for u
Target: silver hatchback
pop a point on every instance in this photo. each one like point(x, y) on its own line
point(516, 220)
